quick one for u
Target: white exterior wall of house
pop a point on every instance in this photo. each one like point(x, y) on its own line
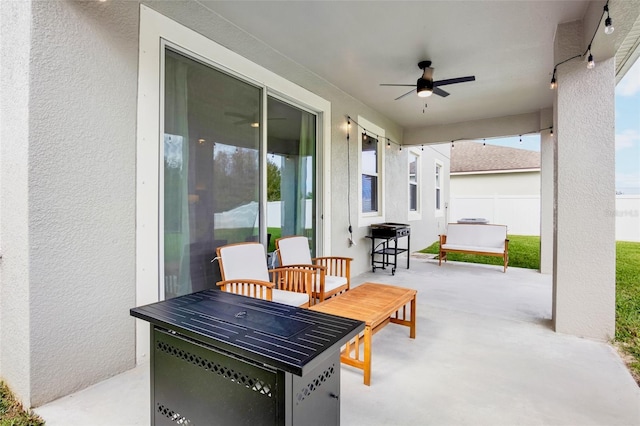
point(68, 219)
point(495, 183)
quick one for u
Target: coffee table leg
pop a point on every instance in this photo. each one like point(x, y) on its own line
point(367, 355)
point(412, 330)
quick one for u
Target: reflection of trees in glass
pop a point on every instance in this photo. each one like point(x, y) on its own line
point(273, 181)
point(235, 175)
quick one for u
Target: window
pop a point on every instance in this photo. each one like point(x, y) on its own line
point(413, 182)
point(438, 187)
point(369, 174)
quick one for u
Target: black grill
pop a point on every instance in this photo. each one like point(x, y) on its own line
point(384, 244)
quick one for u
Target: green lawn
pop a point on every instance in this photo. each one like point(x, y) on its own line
point(12, 413)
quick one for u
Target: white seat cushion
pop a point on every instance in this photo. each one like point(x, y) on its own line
point(331, 282)
point(473, 248)
point(290, 298)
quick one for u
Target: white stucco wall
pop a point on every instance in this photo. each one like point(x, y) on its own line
point(68, 216)
point(14, 236)
point(584, 261)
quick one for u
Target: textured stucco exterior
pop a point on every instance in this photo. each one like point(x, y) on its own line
point(584, 262)
point(547, 153)
point(68, 228)
point(14, 223)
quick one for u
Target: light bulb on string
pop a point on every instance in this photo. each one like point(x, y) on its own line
point(590, 62)
point(388, 144)
point(520, 139)
point(553, 84)
point(484, 143)
point(422, 147)
point(452, 145)
point(608, 23)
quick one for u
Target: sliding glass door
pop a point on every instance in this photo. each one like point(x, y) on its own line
point(291, 171)
point(211, 174)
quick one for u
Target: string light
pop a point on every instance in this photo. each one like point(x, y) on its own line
point(608, 29)
point(551, 133)
point(484, 143)
point(422, 147)
point(591, 64)
point(608, 23)
point(388, 144)
point(452, 145)
point(400, 147)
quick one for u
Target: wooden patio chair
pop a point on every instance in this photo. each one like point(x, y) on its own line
point(331, 274)
point(248, 262)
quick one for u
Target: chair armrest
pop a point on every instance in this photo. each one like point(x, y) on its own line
point(336, 265)
point(223, 283)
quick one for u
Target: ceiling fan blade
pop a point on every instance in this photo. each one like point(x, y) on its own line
point(454, 80)
point(438, 91)
point(406, 94)
point(407, 85)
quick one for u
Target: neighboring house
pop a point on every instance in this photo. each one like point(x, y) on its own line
point(498, 183)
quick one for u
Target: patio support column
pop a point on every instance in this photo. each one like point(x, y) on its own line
point(547, 153)
point(584, 228)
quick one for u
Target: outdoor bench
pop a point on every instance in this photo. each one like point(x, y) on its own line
point(482, 239)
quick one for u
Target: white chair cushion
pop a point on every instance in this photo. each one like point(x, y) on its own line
point(294, 251)
point(473, 248)
point(290, 298)
point(331, 282)
point(244, 261)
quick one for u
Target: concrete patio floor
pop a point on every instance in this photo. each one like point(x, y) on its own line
point(485, 354)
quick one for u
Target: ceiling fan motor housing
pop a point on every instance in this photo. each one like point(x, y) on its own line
point(424, 87)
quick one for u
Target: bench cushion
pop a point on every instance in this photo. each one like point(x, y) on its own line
point(475, 235)
point(473, 248)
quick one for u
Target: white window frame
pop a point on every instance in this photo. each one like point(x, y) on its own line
point(417, 155)
point(366, 219)
point(438, 166)
point(154, 29)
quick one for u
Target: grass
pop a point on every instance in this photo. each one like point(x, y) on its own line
point(628, 303)
point(12, 413)
point(524, 252)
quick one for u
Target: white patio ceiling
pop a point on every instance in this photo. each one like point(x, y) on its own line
point(356, 45)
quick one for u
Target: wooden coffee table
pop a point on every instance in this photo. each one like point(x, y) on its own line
point(377, 305)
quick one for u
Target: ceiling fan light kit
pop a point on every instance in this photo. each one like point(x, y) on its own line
point(425, 86)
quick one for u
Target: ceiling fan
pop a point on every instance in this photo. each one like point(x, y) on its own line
point(425, 86)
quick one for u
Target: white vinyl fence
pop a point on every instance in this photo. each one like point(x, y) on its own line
point(522, 213)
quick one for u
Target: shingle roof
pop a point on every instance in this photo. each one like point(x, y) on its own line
point(467, 156)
